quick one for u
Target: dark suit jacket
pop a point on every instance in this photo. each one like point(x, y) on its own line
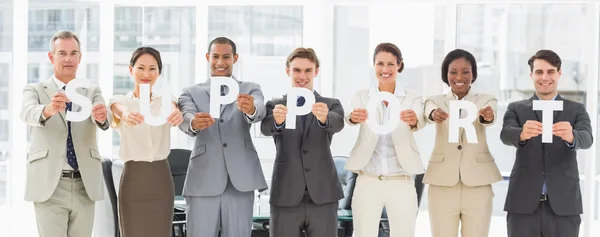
point(303, 159)
point(555, 161)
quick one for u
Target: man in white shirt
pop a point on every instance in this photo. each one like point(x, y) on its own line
point(224, 168)
point(64, 172)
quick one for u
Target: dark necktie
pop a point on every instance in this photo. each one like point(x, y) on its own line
point(222, 90)
point(71, 157)
point(300, 102)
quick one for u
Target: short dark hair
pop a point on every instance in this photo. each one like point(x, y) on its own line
point(307, 53)
point(546, 55)
point(456, 54)
point(146, 50)
point(390, 48)
point(223, 40)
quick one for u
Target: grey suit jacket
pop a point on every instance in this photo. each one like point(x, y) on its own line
point(303, 160)
point(225, 149)
point(555, 161)
point(49, 143)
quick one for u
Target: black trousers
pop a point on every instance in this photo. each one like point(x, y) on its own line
point(542, 223)
point(305, 219)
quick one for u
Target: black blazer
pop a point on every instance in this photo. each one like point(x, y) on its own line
point(555, 161)
point(303, 160)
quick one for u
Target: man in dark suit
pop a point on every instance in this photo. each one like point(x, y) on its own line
point(305, 187)
point(544, 197)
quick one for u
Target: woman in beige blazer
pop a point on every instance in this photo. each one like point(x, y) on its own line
point(386, 163)
point(146, 191)
point(460, 174)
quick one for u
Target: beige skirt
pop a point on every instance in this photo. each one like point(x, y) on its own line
point(146, 199)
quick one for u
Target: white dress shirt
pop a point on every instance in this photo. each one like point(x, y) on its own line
point(142, 142)
point(384, 161)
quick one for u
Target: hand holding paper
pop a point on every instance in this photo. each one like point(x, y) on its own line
point(245, 103)
point(320, 110)
point(409, 117)
point(531, 128)
point(57, 104)
point(563, 130)
point(132, 118)
point(175, 118)
point(439, 116)
point(279, 114)
point(358, 115)
point(202, 121)
point(99, 113)
point(487, 113)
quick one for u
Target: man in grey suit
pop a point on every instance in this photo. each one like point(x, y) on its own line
point(64, 172)
point(544, 197)
point(224, 169)
point(305, 187)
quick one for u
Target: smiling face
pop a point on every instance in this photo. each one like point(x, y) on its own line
point(545, 78)
point(65, 58)
point(386, 67)
point(145, 70)
point(221, 59)
point(302, 72)
point(460, 76)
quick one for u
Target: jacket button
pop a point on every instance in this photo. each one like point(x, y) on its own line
point(306, 169)
point(304, 151)
point(459, 147)
point(221, 120)
point(224, 144)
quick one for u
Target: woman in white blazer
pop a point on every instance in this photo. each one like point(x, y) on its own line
point(386, 163)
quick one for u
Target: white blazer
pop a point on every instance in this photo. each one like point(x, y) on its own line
point(404, 141)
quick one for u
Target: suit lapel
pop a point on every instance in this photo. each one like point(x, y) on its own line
point(471, 97)
point(557, 112)
point(538, 113)
point(50, 91)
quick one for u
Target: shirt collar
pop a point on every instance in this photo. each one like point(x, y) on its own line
point(59, 83)
point(153, 97)
point(398, 91)
point(553, 98)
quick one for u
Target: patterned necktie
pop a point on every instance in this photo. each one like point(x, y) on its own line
point(300, 102)
point(71, 158)
point(222, 90)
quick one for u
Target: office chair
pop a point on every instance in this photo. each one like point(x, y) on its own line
point(178, 161)
point(111, 200)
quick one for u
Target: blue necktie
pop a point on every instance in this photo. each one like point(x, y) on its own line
point(300, 102)
point(71, 158)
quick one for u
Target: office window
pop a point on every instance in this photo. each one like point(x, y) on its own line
point(4, 130)
point(4, 71)
point(4, 103)
point(43, 23)
point(258, 30)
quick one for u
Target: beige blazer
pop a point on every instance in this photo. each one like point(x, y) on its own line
point(404, 142)
point(471, 163)
point(48, 143)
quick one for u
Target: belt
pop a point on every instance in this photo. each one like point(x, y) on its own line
point(544, 198)
point(387, 177)
point(72, 174)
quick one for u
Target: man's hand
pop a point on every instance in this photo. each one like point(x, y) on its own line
point(320, 110)
point(245, 104)
point(358, 115)
point(409, 117)
point(57, 103)
point(439, 116)
point(487, 113)
point(175, 118)
point(564, 131)
point(202, 121)
point(132, 118)
point(531, 128)
point(99, 113)
point(279, 113)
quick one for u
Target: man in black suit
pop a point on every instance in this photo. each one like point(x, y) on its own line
point(544, 197)
point(305, 187)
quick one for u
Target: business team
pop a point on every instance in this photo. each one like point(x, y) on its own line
point(64, 174)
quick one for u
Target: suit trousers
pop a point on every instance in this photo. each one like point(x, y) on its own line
point(68, 212)
point(305, 219)
point(471, 206)
point(230, 213)
point(543, 222)
point(397, 196)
